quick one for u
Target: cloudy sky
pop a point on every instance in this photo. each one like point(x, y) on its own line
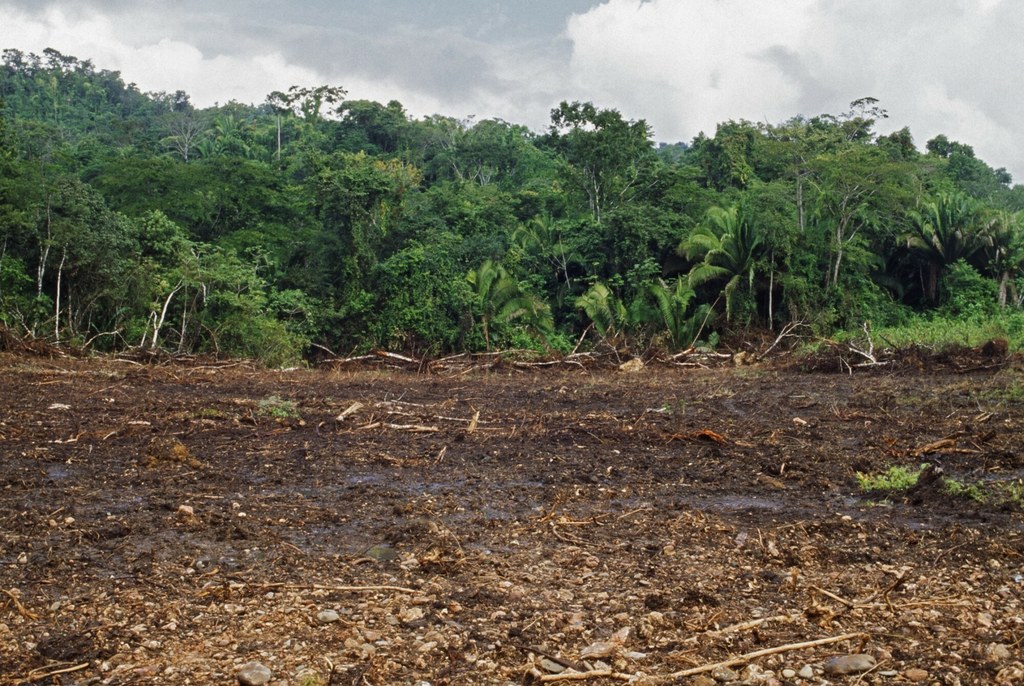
point(938, 66)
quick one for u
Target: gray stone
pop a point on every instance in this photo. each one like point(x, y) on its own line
point(724, 674)
point(998, 652)
point(789, 673)
point(849, 664)
point(806, 672)
point(550, 666)
point(253, 674)
point(327, 616)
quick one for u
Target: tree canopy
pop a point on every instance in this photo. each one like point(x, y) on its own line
point(315, 222)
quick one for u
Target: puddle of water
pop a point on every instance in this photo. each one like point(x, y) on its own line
point(57, 472)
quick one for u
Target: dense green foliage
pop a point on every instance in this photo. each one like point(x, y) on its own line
point(313, 222)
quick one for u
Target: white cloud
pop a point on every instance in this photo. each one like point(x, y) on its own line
point(161, 65)
point(945, 66)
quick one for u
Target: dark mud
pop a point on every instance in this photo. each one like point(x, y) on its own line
point(165, 524)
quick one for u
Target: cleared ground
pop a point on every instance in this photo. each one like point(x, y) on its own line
point(168, 523)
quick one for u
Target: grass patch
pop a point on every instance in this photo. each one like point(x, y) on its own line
point(894, 480)
point(279, 408)
point(958, 489)
point(897, 480)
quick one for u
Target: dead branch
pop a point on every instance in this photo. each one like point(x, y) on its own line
point(40, 674)
point(22, 610)
point(787, 331)
point(754, 623)
point(583, 676)
point(700, 433)
point(353, 408)
point(789, 647)
point(338, 589)
point(834, 597)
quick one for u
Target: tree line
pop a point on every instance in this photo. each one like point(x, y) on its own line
point(316, 222)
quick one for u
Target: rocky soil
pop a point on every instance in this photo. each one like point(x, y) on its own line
point(217, 524)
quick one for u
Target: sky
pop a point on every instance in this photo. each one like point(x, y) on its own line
point(954, 67)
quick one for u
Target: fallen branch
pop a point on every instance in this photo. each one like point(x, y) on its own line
point(352, 409)
point(412, 428)
point(786, 332)
point(700, 433)
point(789, 647)
point(834, 597)
point(583, 676)
point(339, 589)
point(22, 610)
point(754, 623)
point(40, 674)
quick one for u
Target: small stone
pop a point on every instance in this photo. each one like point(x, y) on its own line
point(916, 675)
point(788, 673)
point(724, 674)
point(849, 664)
point(327, 616)
point(806, 672)
point(253, 674)
point(704, 681)
point(997, 652)
point(550, 666)
point(186, 510)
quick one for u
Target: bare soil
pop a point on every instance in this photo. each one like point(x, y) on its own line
point(166, 524)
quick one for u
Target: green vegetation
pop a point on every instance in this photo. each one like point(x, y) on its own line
point(897, 479)
point(278, 408)
point(894, 480)
point(313, 222)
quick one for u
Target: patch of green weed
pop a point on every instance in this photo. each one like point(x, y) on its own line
point(896, 479)
point(278, 408)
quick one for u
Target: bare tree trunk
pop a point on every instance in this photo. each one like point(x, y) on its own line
point(56, 309)
point(163, 316)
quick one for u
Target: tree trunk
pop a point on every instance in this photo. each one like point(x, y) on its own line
point(56, 308)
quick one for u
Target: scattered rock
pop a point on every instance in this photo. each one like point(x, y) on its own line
point(788, 673)
point(327, 617)
point(849, 664)
point(998, 653)
point(724, 674)
point(551, 666)
point(610, 648)
point(703, 680)
point(186, 510)
point(915, 675)
point(253, 674)
point(806, 672)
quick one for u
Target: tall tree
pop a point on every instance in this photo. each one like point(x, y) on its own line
point(608, 157)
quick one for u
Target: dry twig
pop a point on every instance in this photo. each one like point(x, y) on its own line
point(22, 610)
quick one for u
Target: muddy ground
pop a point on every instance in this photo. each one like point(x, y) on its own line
point(167, 524)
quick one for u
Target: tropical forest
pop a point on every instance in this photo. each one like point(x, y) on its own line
point(316, 224)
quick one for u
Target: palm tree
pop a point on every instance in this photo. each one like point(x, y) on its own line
point(605, 310)
point(500, 299)
point(671, 303)
point(729, 248)
point(943, 231)
point(1003, 248)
